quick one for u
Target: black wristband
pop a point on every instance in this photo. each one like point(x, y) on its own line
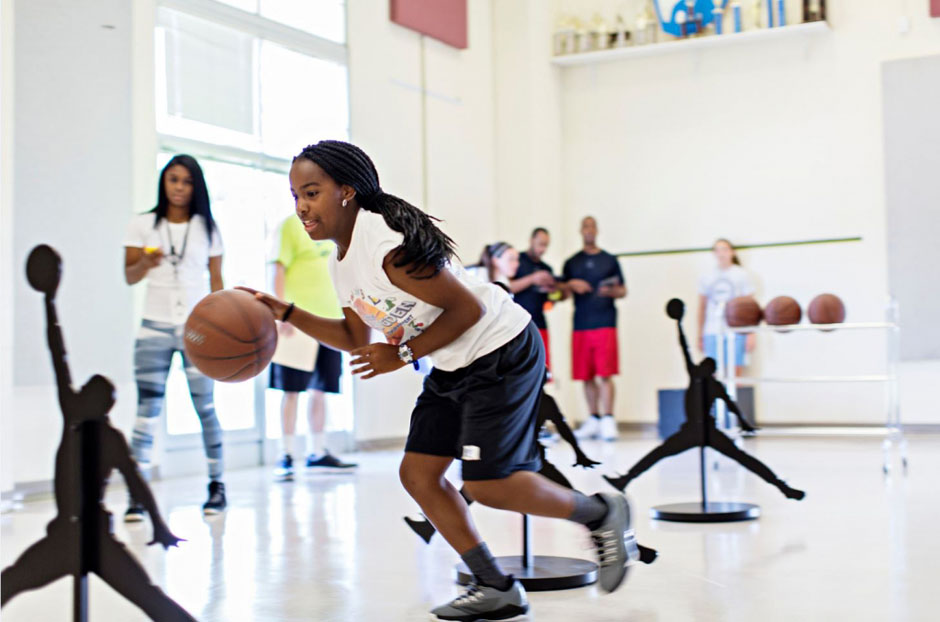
point(286, 316)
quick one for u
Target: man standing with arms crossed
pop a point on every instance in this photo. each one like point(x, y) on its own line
point(594, 277)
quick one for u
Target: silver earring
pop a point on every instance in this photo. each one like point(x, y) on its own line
point(345, 202)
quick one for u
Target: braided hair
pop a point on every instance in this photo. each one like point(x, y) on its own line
point(425, 247)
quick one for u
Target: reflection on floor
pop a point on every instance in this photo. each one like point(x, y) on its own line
point(334, 547)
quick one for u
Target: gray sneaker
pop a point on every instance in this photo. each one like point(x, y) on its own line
point(615, 542)
point(481, 602)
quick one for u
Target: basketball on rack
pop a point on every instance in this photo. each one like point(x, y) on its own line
point(743, 311)
point(783, 311)
point(826, 309)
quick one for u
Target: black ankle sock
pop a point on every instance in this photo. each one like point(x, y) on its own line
point(595, 415)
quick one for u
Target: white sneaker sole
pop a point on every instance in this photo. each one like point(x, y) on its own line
point(134, 518)
point(319, 469)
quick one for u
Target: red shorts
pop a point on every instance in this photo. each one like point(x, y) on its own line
point(594, 353)
point(548, 358)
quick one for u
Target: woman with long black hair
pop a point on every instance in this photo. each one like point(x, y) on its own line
point(173, 246)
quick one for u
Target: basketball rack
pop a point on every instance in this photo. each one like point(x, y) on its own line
point(894, 431)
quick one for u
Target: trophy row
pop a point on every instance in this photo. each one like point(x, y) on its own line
point(666, 20)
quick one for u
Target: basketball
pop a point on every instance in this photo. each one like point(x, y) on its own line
point(783, 311)
point(230, 336)
point(826, 309)
point(743, 311)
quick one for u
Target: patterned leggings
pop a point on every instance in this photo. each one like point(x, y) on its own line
point(153, 352)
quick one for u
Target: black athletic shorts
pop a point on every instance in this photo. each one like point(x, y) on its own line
point(484, 413)
point(324, 377)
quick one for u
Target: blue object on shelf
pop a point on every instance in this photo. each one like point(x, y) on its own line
point(770, 13)
point(737, 18)
point(672, 410)
point(704, 15)
point(781, 12)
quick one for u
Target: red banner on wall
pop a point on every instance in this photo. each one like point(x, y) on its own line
point(935, 8)
point(444, 20)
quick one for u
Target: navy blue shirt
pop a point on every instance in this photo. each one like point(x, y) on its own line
point(590, 310)
point(531, 299)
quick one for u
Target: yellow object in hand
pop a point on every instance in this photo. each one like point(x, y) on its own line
point(555, 296)
point(151, 249)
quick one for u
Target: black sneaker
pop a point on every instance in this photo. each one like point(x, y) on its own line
point(135, 512)
point(329, 463)
point(216, 503)
point(284, 469)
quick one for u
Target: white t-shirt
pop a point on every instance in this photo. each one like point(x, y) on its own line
point(362, 285)
point(172, 294)
point(720, 286)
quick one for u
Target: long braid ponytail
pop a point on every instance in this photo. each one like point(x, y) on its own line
point(425, 246)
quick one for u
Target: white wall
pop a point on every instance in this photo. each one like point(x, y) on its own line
point(763, 141)
point(7, 444)
point(72, 190)
point(386, 120)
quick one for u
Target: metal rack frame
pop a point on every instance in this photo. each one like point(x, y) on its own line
point(894, 432)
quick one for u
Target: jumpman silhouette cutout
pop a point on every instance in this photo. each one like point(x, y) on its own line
point(548, 411)
point(79, 538)
point(699, 429)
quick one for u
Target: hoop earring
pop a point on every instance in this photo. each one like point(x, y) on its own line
point(345, 202)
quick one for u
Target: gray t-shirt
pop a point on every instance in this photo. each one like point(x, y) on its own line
point(719, 286)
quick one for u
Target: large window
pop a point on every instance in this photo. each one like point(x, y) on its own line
point(243, 85)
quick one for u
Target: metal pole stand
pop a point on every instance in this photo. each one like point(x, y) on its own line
point(540, 573)
point(705, 511)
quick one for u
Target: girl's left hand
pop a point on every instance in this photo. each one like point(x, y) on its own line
point(375, 359)
point(750, 342)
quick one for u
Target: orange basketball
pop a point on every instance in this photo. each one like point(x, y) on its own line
point(782, 311)
point(826, 309)
point(743, 311)
point(230, 336)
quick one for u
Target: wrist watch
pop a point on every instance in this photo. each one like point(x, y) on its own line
point(405, 354)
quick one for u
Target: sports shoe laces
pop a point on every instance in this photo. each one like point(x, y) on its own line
point(473, 595)
point(606, 544)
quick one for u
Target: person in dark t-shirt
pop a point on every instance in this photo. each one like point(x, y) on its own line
point(594, 278)
point(533, 283)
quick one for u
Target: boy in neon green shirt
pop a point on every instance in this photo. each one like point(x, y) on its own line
point(302, 276)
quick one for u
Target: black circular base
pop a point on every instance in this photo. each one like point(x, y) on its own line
point(694, 512)
point(546, 573)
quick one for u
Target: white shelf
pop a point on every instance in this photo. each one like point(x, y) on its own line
point(679, 45)
point(785, 328)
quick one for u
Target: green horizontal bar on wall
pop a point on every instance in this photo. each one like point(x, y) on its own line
point(680, 251)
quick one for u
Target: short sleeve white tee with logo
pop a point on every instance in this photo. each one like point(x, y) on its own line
point(362, 285)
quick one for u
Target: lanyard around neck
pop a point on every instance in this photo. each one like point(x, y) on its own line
point(174, 257)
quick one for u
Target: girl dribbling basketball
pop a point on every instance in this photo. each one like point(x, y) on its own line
point(393, 272)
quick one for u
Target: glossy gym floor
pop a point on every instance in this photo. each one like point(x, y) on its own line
point(860, 547)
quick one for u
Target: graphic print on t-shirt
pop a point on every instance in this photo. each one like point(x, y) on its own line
point(395, 319)
point(721, 290)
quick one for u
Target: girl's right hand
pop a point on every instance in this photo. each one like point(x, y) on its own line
point(151, 259)
point(278, 307)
